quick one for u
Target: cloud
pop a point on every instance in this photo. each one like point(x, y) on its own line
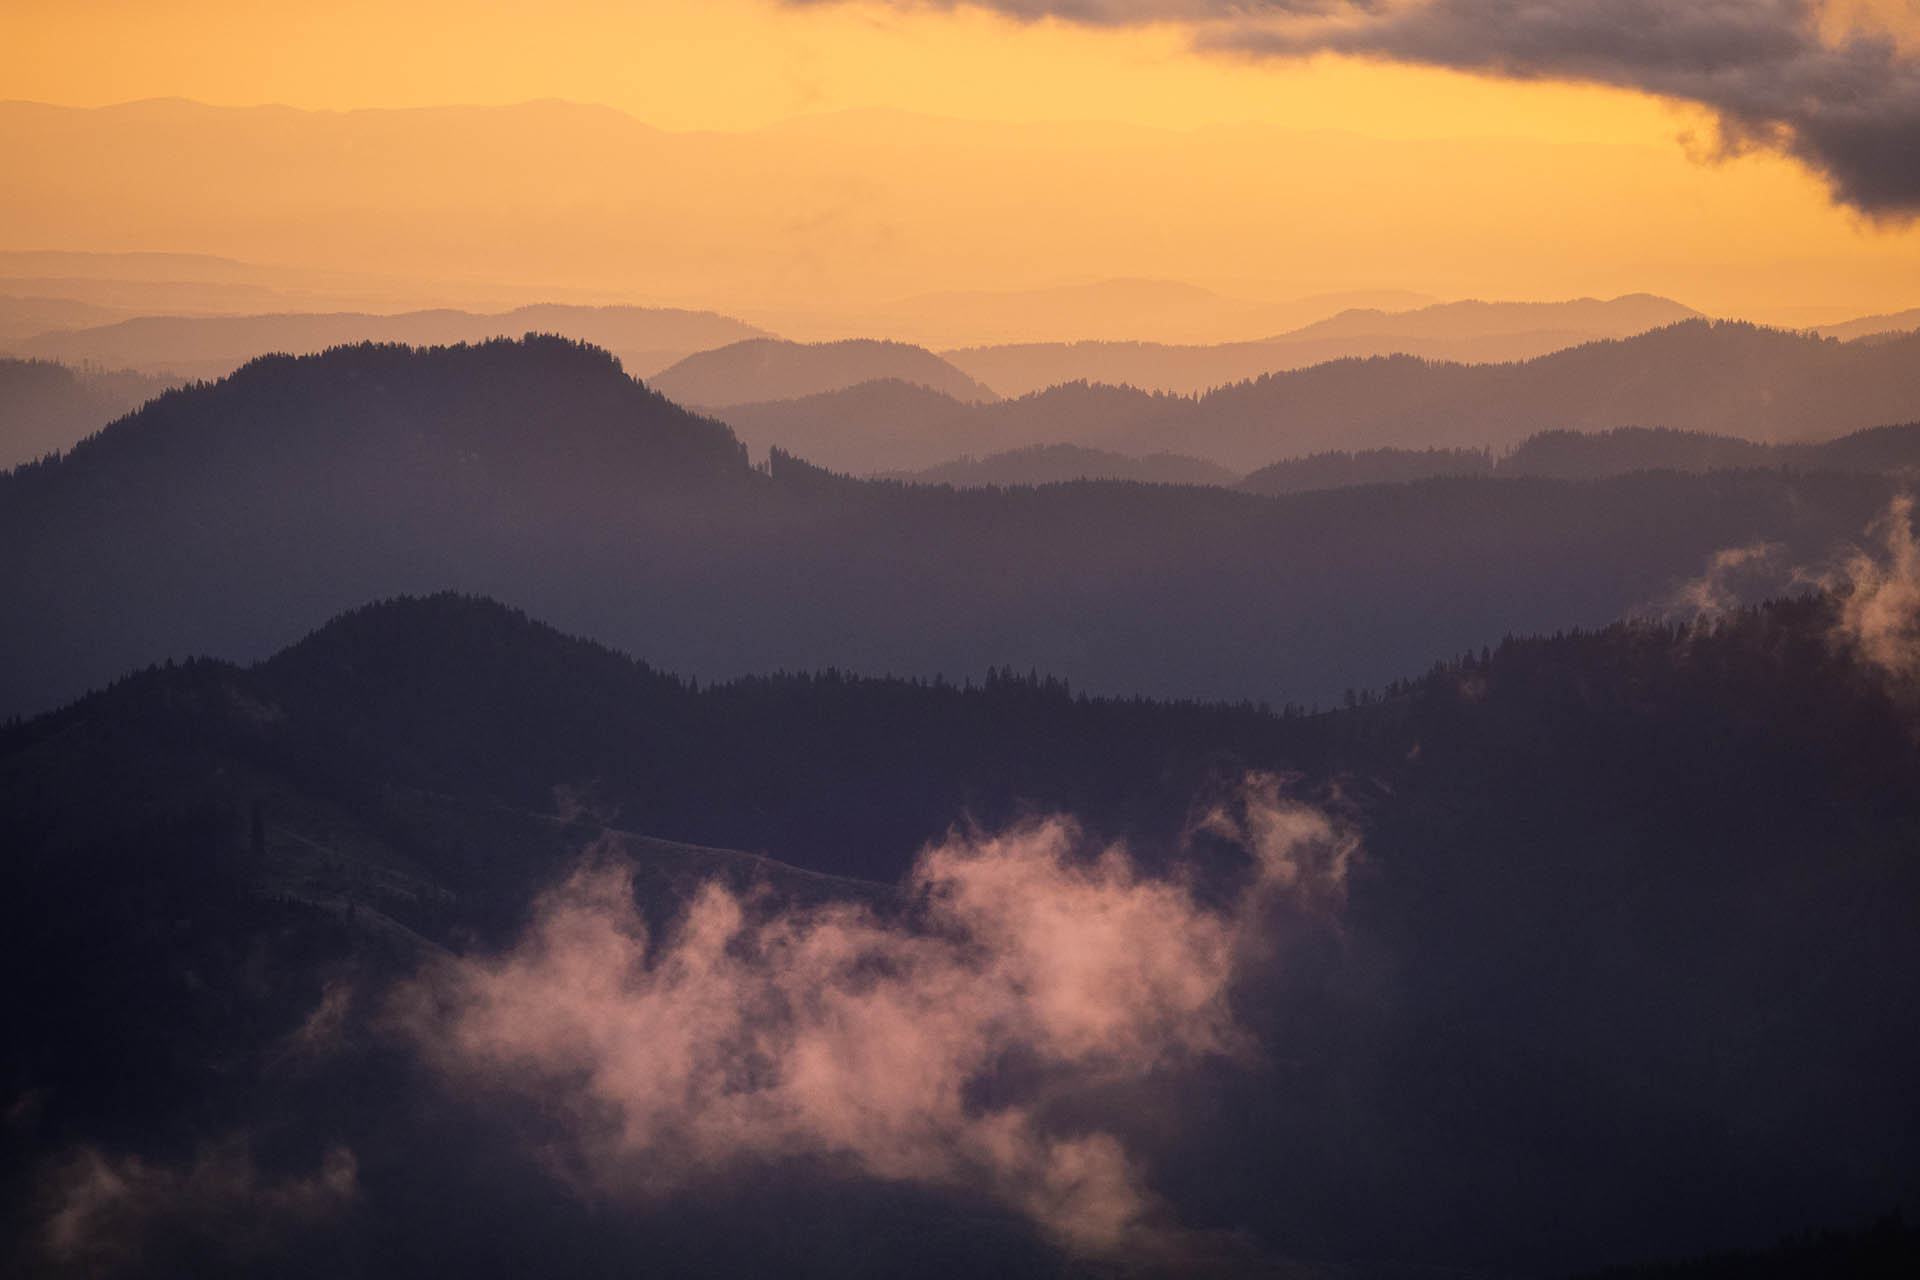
point(1734, 577)
point(959, 1046)
point(1876, 589)
point(1126, 13)
point(1880, 596)
point(103, 1210)
point(1826, 82)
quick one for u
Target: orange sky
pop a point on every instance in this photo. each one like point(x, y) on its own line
point(1755, 234)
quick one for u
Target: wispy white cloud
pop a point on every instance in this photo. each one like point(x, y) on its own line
point(1029, 969)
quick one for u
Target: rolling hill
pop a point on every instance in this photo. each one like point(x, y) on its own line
point(46, 407)
point(1061, 463)
point(1722, 378)
point(228, 519)
point(645, 338)
point(761, 369)
point(1463, 332)
point(1636, 886)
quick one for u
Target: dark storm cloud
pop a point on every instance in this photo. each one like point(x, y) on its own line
point(1845, 104)
point(1121, 13)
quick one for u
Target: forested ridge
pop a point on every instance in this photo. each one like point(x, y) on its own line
point(1602, 871)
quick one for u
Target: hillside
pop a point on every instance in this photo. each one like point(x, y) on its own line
point(234, 871)
point(889, 426)
point(883, 425)
point(1060, 463)
point(1462, 332)
point(1871, 326)
point(1723, 378)
point(746, 373)
point(1576, 455)
point(1338, 469)
point(644, 338)
point(45, 407)
point(228, 519)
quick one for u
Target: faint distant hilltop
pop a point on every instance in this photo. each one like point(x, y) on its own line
point(770, 369)
point(1469, 332)
point(645, 338)
point(46, 407)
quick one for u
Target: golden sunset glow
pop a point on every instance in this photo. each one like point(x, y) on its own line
point(1138, 155)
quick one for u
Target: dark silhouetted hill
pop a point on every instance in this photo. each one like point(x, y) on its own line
point(746, 373)
point(1644, 890)
point(228, 519)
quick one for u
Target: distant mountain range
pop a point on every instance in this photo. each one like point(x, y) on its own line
point(378, 210)
point(228, 519)
point(1106, 310)
point(1711, 376)
point(646, 338)
point(1463, 332)
point(762, 369)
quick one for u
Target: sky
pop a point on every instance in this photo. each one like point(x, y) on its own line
point(1778, 137)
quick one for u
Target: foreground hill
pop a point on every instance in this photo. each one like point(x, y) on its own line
point(745, 373)
point(644, 338)
point(229, 519)
point(1619, 975)
point(1469, 332)
point(45, 407)
point(1724, 378)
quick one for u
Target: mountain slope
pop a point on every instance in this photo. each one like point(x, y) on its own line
point(1575, 455)
point(228, 519)
point(1873, 326)
point(1731, 379)
point(1464, 332)
point(1061, 463)
point(745, 373)
point(1647, 889)
point(1723, 378)
point(45, 407)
